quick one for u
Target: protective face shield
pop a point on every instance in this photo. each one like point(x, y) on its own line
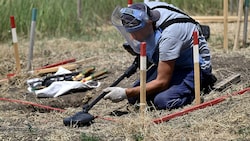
point(116, 21)
point(133, 19)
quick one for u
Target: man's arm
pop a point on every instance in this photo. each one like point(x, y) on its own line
point(165, 71)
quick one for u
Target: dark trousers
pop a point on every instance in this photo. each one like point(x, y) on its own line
point(179, 93)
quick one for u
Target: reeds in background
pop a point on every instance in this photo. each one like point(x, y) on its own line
point(59, 17)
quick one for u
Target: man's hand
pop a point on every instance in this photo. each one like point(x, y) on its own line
point(115, 94)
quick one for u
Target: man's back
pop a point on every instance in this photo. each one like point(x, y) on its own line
point(176, 40)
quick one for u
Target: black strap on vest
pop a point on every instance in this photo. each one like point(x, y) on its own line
point(177, 20)
point(165, 24)
point(203, 29)
point(170, 8)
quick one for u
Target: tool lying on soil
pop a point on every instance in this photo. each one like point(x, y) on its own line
point(9, 75)
point(70, 66)
point(57, 64)
point(93, 76)
point(83, 118)
point(37, 83)
point(54, 69)
point(83, 73)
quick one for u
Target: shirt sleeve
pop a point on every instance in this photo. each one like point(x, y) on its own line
point(169, 48)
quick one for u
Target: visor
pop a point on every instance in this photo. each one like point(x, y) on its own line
point(116, 21)
point(133, 19)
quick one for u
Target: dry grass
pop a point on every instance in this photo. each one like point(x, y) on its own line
point(228, 120)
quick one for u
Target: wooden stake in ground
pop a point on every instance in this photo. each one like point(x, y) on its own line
point(225, 42)
point(14, 39)
point(196, 68)
point(236, 39)
point(143, 67)
point(245, 22)
point(32, 37)
point(216, 19)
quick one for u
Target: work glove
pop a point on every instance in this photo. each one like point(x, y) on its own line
point(115, 94)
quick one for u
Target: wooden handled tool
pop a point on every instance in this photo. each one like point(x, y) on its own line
point(70, 66)
point(83, 73)
point(95, 75)
point(54, 69)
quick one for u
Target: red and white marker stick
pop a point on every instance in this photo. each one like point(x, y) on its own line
point(130, 2)
point(196, 67)
point(14, 39)
point(143, 67)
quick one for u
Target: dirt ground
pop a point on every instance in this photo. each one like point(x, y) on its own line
point(20, 121)
point(224, 66)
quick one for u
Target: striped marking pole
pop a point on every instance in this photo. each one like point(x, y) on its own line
point(130, 2)
point(14, 39)
point(143, 67)
point(196, 67)
point(32, 37)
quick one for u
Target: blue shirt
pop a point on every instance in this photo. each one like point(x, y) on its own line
point(176, 42)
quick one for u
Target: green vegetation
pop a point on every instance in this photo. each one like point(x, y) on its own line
point(59, 17)
point(85, 137)
point(138, 137)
